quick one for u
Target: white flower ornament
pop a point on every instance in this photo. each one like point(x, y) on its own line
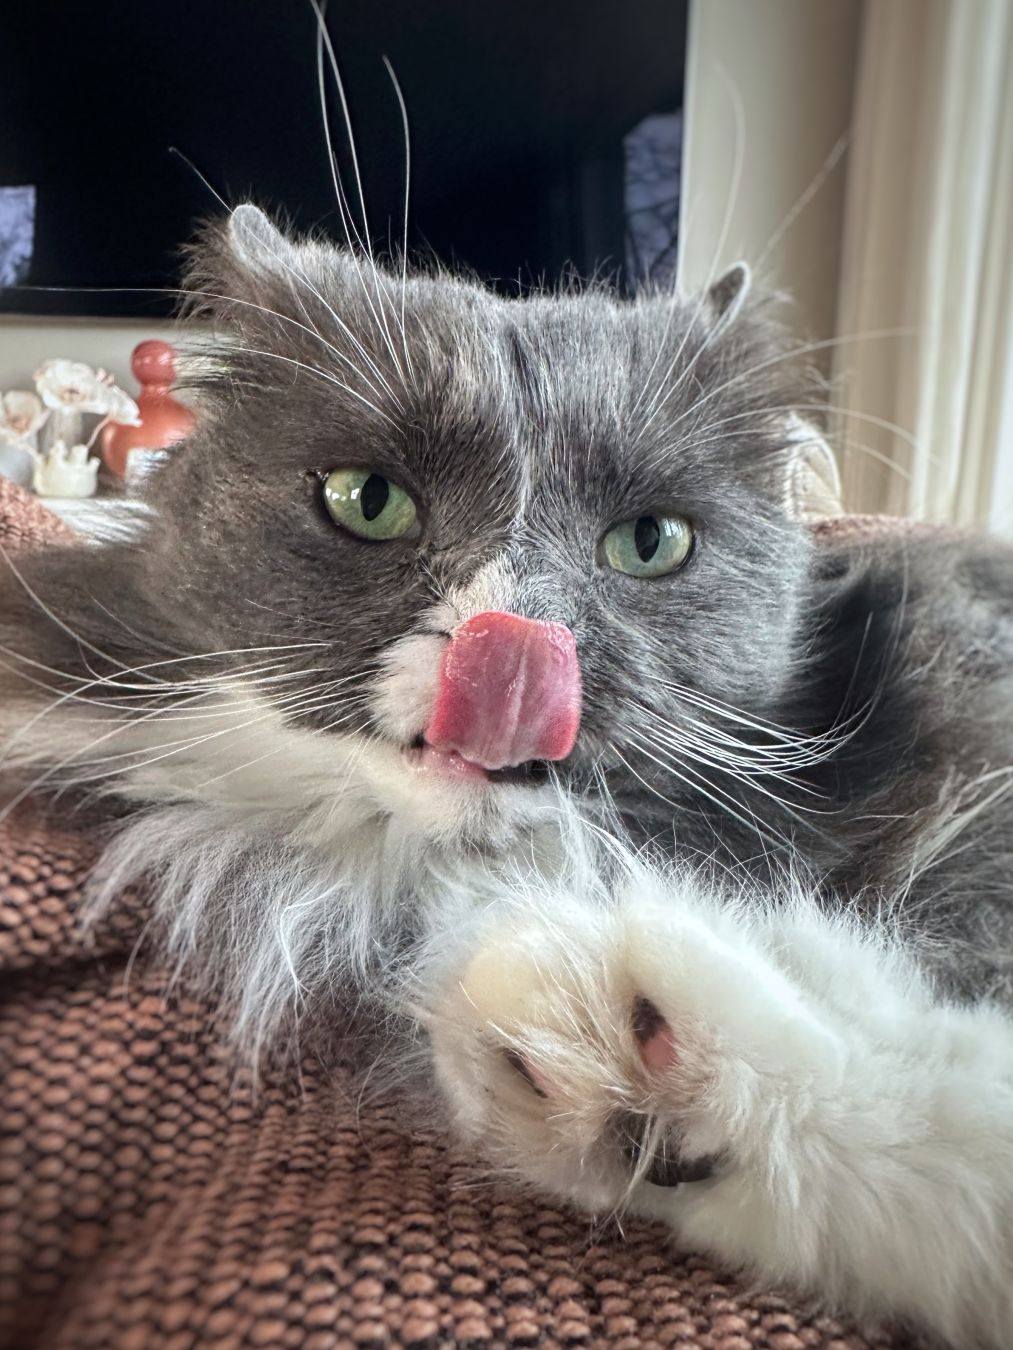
point(121, 407)
point(21, 415)
point(71, 387)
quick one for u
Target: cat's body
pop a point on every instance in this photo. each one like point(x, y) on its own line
point(290, 726)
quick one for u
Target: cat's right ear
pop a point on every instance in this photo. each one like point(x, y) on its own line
point(258, 245)
point(240, 263)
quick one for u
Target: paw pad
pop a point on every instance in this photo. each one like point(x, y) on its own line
point(534, 1079)
point(655, 1038)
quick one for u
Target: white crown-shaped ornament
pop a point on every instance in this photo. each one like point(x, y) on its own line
point(65, 471)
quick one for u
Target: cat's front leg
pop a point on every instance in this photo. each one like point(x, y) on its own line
point(781, 1090)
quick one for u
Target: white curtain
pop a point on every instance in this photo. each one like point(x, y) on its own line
point(925, 398)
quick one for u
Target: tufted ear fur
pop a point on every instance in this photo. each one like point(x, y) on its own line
point(812, 480)
point(240, 262)
point(728, 294)
point(247, 275)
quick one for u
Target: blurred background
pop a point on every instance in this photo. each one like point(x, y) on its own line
point(859, 153)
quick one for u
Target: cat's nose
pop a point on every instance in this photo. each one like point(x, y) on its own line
point(509, 692)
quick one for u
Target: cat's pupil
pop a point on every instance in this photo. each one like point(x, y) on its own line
point(373, 496)
point(646, 537)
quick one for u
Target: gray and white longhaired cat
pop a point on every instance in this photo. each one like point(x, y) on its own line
point(471, 662)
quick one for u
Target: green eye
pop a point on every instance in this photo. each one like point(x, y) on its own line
point(369, 505)
point(649, 546)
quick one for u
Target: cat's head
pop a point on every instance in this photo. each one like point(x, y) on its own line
point(432, 553)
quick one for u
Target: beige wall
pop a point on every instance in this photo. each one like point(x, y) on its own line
point(24, 343)
point(793, 64)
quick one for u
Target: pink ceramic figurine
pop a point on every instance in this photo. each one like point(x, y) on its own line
point(164, 420)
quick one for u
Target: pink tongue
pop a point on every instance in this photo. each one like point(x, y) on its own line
point(509, 691)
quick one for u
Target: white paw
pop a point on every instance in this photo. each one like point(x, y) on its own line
point(609, 1056)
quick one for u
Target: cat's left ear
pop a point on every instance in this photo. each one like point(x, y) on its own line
point(811, 478)
point(728, 294)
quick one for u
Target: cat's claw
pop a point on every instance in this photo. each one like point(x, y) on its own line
point(650, 1150)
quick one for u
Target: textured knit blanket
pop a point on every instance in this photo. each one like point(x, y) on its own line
point(148, 1201)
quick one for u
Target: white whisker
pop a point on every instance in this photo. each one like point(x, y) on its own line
point(407, 196)
point(324, 40)
point(322, 374)
point(735, 184)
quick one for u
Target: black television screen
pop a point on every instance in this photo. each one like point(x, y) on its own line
point(518, 112)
